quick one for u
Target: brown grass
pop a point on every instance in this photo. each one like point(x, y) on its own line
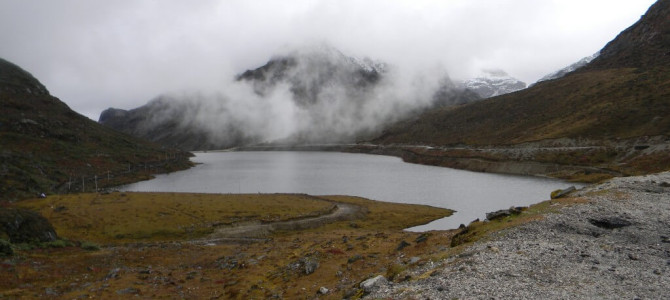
point(132, 217)
point(347, 251)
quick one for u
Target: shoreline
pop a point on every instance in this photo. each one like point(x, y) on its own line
point(613, 242)
point(584, 161)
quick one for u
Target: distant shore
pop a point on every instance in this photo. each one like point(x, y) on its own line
point(573, 160)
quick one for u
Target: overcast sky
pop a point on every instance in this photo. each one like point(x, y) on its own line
point(99, 54)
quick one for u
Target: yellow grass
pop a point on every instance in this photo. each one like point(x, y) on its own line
point(347, 251)
point(132, 217)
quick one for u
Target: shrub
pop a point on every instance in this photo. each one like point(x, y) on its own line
point(90, 246)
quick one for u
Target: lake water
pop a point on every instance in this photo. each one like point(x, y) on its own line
point(375, 177)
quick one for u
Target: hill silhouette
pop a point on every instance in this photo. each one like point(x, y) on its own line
point(48, 148)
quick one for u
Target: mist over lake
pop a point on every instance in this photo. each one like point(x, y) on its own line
point(375, 177)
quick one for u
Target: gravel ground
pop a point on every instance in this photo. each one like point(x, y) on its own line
point(569, 255)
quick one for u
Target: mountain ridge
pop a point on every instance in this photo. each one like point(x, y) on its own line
point(615, 111)
point(312, 95)
point(48, 148)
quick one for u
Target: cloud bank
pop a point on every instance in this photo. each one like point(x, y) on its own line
point(97, 54)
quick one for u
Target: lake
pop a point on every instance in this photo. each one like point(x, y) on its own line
point(376, 177)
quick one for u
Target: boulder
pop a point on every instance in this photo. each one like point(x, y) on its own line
point(504, 213)
point(310, 265)
point(371, 284)
point(402, 245)
point(25, 226)
point(562, 193)
point(610, 222)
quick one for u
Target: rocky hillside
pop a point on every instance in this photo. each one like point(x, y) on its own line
point(307, 96)
point(48, 148)
point(621, 94)
point(571, 68)
point(613, 113)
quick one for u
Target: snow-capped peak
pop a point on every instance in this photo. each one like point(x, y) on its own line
point(562, 72)
point(493, 82)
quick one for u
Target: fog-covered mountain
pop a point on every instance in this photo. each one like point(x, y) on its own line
point(562, 72)
point(493, 83)
point(313, 95)
point(621, 94)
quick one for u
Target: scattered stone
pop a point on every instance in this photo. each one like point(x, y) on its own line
point(504, 213)
point(633, 256)
point(373, 283)
point(128, 291)
point(310, 265)
point(610, 222)
point(562, 193)
point(49, 291)
point(664, 184)
point(323, 290)
point(402, 245)
point(355, 258)
point(422, 238)
point(113, 274)
point(414, 260)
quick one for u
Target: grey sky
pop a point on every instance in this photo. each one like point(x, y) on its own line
point(99, 54)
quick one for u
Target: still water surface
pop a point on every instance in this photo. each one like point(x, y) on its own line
point(376, 177)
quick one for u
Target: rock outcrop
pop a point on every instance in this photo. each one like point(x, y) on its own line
point(25, 226)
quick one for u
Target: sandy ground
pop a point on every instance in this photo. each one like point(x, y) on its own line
point(615, 246)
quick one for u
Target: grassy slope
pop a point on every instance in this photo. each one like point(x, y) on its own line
point(603, 111)
point(622, 94)
point(45, 145)
point(598, 104)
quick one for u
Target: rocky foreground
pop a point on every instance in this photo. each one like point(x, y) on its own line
point(615, 245)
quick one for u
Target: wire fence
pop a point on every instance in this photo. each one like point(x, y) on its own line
point(98, 181)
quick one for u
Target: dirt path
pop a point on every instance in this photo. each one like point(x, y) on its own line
point(258, 231)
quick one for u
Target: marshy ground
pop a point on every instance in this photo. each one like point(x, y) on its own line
point(174, 245)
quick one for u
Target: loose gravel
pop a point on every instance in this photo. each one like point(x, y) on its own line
point(572, 254)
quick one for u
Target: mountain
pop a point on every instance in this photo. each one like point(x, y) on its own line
point(622, 97)
point(174, 121)
point(310, 74)
point(493, 83)
point(311, 95)
point(571, 68)
point(48, 148)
